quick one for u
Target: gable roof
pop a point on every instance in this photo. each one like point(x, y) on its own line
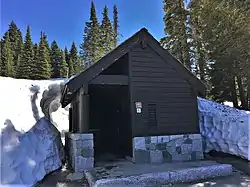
point(142, 36)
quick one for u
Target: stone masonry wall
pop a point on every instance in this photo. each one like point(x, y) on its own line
point(160, 149)
point(80, 151)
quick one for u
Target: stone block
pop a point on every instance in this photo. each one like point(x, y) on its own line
point(186, 149)
point(188, 141)
point(141, 156)
point(199, 155)
point(156, 157)
point(154, 139)
point(179, 136)
point(152, 146)
point(75, 144)
point(88, 152)
point(171, 149)
point(75, 136)
point(78, 136)
point(181, 157)
point(76, 152)
point(179, 141)
point(139, 143)
point(163, 139)
point(197, 145)
point(82, 163)
point(87, 144)
point(167, 157)
point(195, 136)
point(161, 146)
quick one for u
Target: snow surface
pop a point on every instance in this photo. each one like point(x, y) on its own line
point(16, 103)
point(224, 128)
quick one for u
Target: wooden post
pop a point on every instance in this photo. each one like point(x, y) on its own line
point(70, 120)
point(83, 111)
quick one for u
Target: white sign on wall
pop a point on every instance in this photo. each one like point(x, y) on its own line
point(138, 110)
point(138, 106)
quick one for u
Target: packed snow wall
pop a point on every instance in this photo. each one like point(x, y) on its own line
point(26, 157)
point(224, 128)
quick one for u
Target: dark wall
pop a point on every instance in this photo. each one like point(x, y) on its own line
point(169, 104)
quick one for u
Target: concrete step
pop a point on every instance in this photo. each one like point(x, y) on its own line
point(172, 175)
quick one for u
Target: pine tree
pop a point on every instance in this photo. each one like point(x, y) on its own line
point(24, 69)
point(1, 52)
point(55, 58)
point(223, 31)
point(63, 69)
point(107, 34)
point(16, 43)
point(176, 30)
point(69, 63)
point(7, 68)
point(115, 25)
point(35, 49)
point(74, 59)
point(90, 47)
point(42, 68)
point(66, 53)
point(71, 71)
point(47, 45)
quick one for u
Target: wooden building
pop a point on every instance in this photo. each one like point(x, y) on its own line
point(138, 89)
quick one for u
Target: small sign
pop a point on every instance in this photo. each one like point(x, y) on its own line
point(138, 104)
point(138, 110)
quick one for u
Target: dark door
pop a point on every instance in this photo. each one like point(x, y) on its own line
point(112, 119)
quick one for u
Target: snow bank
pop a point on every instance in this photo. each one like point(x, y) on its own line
point(224, 128)
point(27, 158)
point(16, 103)
point(30, 152)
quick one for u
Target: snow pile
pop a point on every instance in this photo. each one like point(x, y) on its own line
point(16, 103)
point(27, 157)
point(224, 128)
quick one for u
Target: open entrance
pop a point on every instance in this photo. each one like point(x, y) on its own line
point(110, 112)
point(110, 120)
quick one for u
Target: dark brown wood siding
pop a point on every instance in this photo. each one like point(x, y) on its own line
point(169, 103)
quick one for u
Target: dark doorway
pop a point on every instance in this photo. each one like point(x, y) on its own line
point(110, 120)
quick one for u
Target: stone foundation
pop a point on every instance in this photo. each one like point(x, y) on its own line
point(160, 149)
point(80, 151)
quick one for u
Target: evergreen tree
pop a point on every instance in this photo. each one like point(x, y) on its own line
point(24, 69)
point(55, 60)
point(35, 49)
point(90, 47)
point(42, 68)
point(66, 53)
point(63, 69)
point(107, 34)
point(115, 25)
point(224, 32)
point(16, 43)
point(7, 68)
point(177, 30)
point(1, 52)
point(69, 63)
point(74, 59)
point(46, 45)
point(71, 71)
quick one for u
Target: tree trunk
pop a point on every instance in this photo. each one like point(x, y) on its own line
point(242, 93)
point(201, 62)
point(233, 94)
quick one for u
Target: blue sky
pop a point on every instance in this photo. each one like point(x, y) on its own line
point(64, 20)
